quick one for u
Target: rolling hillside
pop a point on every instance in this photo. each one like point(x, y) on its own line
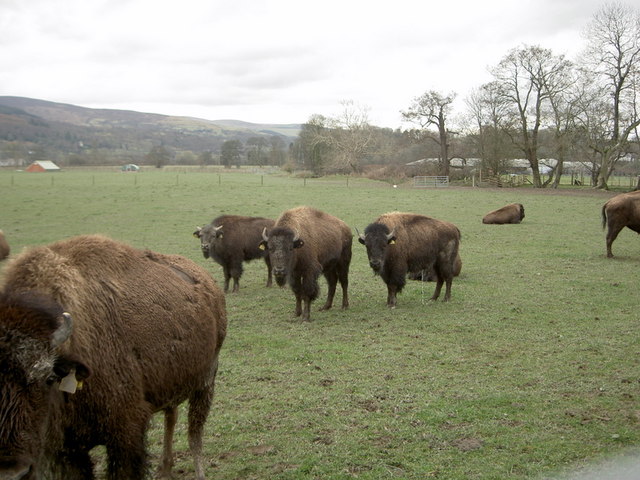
point(41, 129)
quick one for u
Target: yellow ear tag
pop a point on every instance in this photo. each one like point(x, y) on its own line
point(261, 247)
point(69, 383)
point(392, 242)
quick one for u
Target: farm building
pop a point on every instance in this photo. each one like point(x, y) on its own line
point(43, 166)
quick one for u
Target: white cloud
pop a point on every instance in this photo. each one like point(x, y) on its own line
point(272, 61)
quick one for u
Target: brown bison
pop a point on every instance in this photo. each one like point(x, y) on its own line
point(401, 243)
point(4, 247)
point(142, 329)
point(621, 211)
point(304, 243)
point(512, 213)
point(232, 239)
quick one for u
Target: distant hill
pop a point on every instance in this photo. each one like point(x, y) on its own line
point(57, 131)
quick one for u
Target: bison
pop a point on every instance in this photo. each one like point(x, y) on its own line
point(621, 211)
point(231, 240)
point(303, 243)
point(512, 213)
point(400, 243)
point(4, 247)
point(143, 331)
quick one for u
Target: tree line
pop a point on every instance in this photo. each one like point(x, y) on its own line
point(537, 105)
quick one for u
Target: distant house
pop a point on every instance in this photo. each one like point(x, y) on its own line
point(43, 166)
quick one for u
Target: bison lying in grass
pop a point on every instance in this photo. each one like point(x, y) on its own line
point(621, 211)
point(512, 213)
point(143, 331)
point(400, 243)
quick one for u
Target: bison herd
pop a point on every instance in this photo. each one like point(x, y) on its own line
point(97, 336)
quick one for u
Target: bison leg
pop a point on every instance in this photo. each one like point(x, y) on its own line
point(436, 292)
point(332, 282)
point(392, 291)
point(267, 260)
point(306, 313)
point(447, 293)
point(612, 234)
point(127, 456)
point(344, 284)
point(166, 464)
point(298, 310)
point(199, 406)
point(72, 464)
point(235, 271)
point(227, 277)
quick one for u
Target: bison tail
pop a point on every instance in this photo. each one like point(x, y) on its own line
point(604, 216)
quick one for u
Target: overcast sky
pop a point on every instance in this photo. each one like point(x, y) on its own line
point(270, 61)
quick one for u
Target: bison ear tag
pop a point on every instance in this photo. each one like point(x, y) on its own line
point(69, 383)
point(392, 242)
point(261, 246)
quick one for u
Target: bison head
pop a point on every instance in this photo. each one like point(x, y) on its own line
point(281, 243)
point(208, 236)
point(33, 372)
point(377, 237)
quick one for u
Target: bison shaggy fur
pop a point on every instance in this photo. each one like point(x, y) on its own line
point(4, 247)
point(232, 239)
point(143, 330)
point(305, 243)
point(621, 211)
point(512, 213)
point(406, 243)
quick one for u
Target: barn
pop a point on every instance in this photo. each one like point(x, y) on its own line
point(43, 166)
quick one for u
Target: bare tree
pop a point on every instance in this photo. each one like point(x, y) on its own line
point(613, 54)
point(527, 78)
point(431, 109)
point(311, 146)
point(350, 136)
point(487, 112)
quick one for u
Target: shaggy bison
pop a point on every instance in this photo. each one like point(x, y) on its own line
point(231, 240)
point(621, 211)
point(304, 243)
point(512, 213)
point(4, 247)
point(400, 243)
point(142, 329)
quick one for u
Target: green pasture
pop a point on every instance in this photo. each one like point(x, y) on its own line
point(531, 369)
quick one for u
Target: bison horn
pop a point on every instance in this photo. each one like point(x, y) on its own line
point(391, 234)
point(296, 236)
point(198, 232)
point(218, 228)
point(360, 236)
point(264, 234)
point(63, 332)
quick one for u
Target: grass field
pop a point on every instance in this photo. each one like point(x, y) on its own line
point(532, 368)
